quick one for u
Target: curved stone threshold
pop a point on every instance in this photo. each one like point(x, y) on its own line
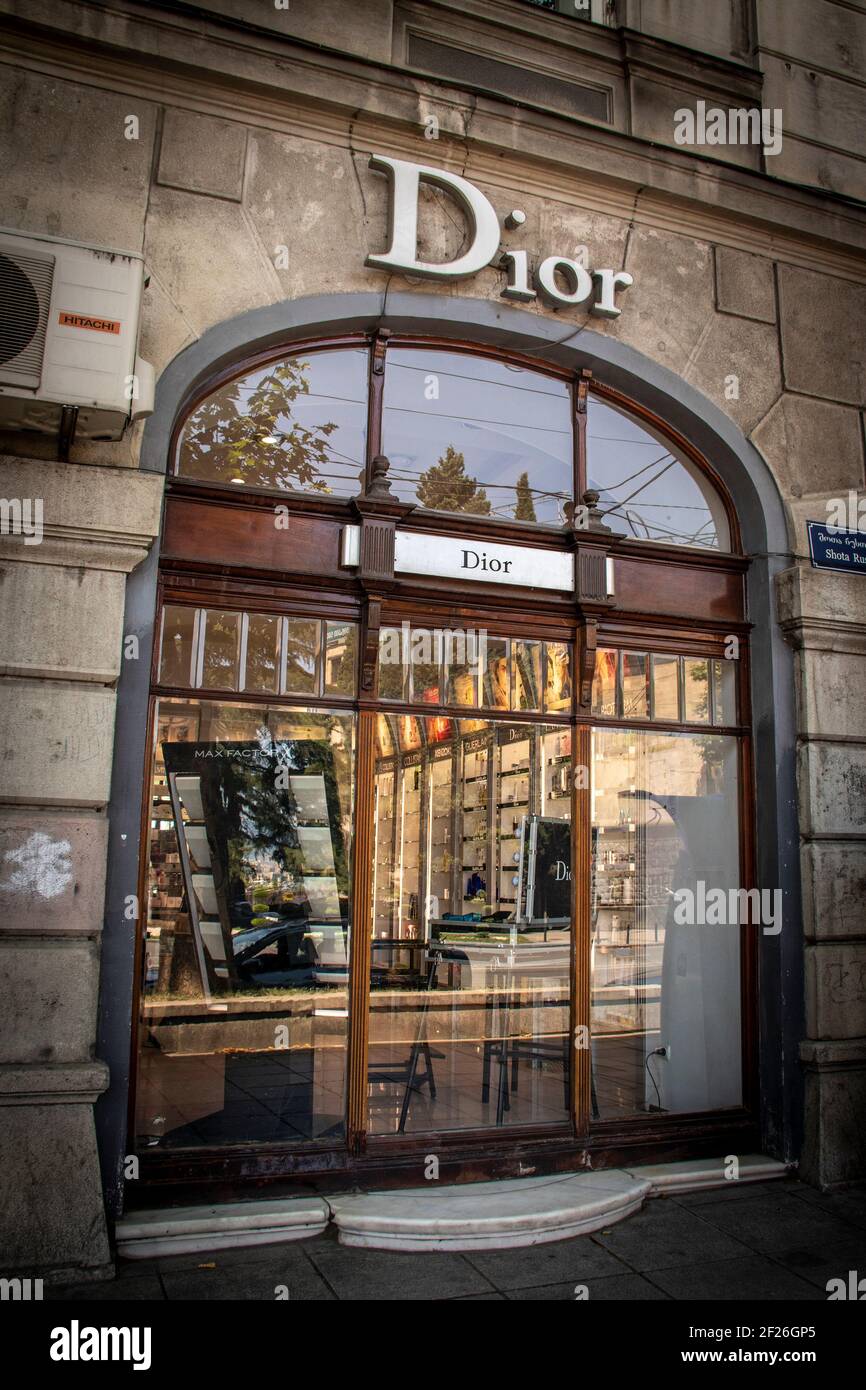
point(489, 1215)
point(499, 1215)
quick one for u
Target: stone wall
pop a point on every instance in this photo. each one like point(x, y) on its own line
point(752, 291)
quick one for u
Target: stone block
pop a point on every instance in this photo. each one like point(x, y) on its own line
point(202, 154)
point(836, 990)
point(832, 783)
point(807, 596)
point(720, 29)
point(832, 691)
point(52, 872)
point(100, 518)
point(802, 161)
point(671, 304)
point(736, 364)
point(60, 622)
point(834, 889)
point(812, 446)
point(745, 285)
point(823, 348)
point(68, 168)
point(298, 193)
point(49, 990)
point(164, 331)
point(56, 743)
point(826, 109)
point(654, 105)
point(362, 29)
point(208, 256)
point(52, 1219)
point(834, 1142)
point(819, 32)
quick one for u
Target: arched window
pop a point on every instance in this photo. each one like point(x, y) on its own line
point(473, 434)
point(299, 423)
point(464, 433)
point(647, 490)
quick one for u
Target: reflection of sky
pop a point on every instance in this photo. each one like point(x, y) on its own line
point(644, 490)
point(504, 420)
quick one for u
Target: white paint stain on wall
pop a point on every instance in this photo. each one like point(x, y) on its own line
point(41, 865)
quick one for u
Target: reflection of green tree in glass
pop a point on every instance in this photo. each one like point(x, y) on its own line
point(446, 487)
point(697, 690)
point(525, 507)
point(246, 433)
point(340, 656)
point(221, 650)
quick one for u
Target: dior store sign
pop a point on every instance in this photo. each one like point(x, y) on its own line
point(558, 280)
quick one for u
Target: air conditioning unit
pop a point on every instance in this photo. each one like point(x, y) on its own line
point(68, 332)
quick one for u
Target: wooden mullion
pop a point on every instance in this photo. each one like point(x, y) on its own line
point(581, 836)
point(361, 932)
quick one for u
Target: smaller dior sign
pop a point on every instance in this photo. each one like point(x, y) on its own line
point(454, 557)
point(558, 280)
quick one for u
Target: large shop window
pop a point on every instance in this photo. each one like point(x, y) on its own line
point(245, 1003)
point(665, 983)
point(471, 941)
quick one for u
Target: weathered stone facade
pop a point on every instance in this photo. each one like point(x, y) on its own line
point(254, 129)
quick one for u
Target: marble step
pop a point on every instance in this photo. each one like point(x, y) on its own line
point(488, 1215)
point(188, 1230)
point(469, 1216)
point(697, 1173)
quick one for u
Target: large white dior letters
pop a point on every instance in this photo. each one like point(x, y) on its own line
point(558, 279)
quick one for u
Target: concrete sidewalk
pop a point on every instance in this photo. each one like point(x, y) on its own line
point(764, 1241)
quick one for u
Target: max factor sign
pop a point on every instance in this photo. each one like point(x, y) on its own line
point(558, 280)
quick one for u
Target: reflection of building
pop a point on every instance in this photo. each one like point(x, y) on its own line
point(273, 519)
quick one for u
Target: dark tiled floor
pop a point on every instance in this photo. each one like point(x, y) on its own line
point(769, 1241)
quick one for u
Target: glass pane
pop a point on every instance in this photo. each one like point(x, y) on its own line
point(557, 690)
point(526, 675)
point(696, 679)
point(724, 692)
point(666, 687)
point(245, 1000)
point(393, 663)
point(461, 650)
point(645, 490)
point(496, 693)
point(635, 672)
point(665, 961)
point(341, 658)
point(425, 656)
point(178, 646)
point(296, 424)
point(302, 650)
point(263, 652)
point(470, 434)
point(469, 1009)
point(604, 683)
point(222, 634)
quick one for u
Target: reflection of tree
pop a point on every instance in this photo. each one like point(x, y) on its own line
point(698, 677)
point(446, 487)
point(525, 507)
point(226, 436)
point(259, 817)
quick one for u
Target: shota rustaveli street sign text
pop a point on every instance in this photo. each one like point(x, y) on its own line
point(482, 222)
